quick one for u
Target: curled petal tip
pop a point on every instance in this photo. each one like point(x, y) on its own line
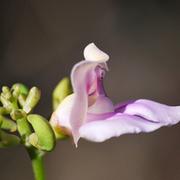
point(93, 53)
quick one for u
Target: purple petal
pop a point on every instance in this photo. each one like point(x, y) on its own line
point(114, 126)
point(82, 78)
point(151, 110)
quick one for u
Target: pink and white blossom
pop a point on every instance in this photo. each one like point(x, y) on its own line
point(89, 113)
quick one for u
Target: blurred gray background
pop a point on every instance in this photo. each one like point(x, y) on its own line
point(40, 41)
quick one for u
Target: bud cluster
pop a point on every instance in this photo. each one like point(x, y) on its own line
point(15, 115)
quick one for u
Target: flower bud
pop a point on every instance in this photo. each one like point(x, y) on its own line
point(23, 88)
point(16, 92)
point(2, 110)
point(4, 100)
point(17, 114)
point(44, 132)
point(62, 90)
point(7, 140)
point(22, 99)
point(8, 124)
point(33, 139)
point(32, 99)
point(5, 89)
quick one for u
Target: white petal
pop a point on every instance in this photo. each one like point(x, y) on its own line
point(92, 53)
point(102, 105)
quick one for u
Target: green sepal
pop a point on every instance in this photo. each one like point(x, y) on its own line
point(8, 140)
point(63, 89)
point(8, 124)
point(43, 130)
point(32, 99)
point(59, 133)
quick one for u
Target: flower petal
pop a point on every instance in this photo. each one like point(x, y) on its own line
point(92, 53)
point(60, 116)
point(114, 126)
point(151, 110)
point(83, 76)
point(102, 105)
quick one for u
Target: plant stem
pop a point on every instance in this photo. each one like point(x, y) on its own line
point(36, 155)
point(37, 160)
point(23, 127)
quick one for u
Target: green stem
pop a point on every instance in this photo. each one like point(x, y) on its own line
point(23, 126)
point(37, 160)
point(36, 155)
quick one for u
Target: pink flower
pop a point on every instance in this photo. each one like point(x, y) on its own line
point(89, 113)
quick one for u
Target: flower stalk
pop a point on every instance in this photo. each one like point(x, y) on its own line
point(19, 102)
point(81, 108)
point(37, 161)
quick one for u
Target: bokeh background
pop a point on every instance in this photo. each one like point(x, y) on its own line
point(40, 41)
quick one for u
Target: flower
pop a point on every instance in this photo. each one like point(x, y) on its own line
point(89, 113)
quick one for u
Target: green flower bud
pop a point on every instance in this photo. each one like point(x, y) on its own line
point(2, 110)
point(16, 92)
point(32, 99)
point(8, 124)
point(6, 110)
point(7, 140)
point(23, 88)
point(44, 132)
point(62, 90)
point(33, 139)
point(5, 89)
point(20, 92)
point(17, 114)
point(22, 99)
point(9, 98)
point(4, 100)
point(8, 95)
